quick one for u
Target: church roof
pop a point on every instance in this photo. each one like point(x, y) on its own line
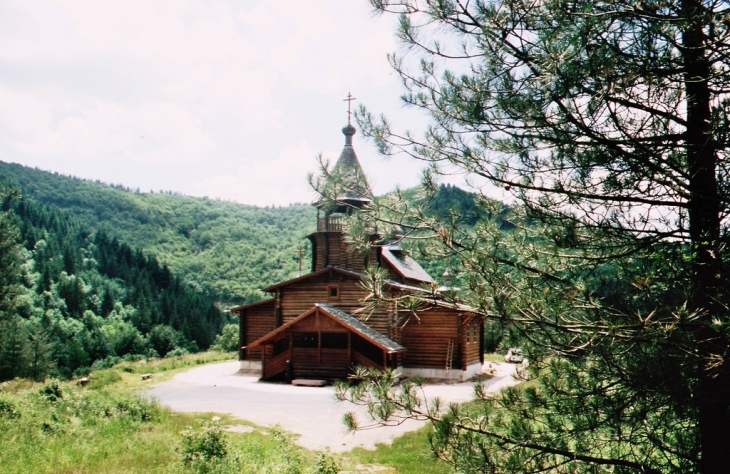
point(238, 309)
point(363, 329)
point(351, 323)
point(356, 275)
point(333, 269)
point(404, 264)
point(347, 183)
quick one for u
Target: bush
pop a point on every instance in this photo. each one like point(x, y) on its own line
point(8, 408)
point(137, 409)
point(52, 391)
point(325, 464)
point(105, 363)
point(104, 378)
point(227, 340)
point(177, 352)
point(164, 339)
point(202, 447)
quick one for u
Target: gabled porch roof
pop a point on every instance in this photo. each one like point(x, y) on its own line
point(344, 319)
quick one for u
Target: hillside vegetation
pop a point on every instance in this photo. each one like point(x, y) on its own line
point(226, 249)
point(63, 427)
point(78, 299)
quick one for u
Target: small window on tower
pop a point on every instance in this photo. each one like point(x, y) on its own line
point(333, 292)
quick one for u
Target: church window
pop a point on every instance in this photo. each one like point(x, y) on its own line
point(333, 292)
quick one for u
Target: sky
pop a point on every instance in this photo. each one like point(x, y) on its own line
point(226, 99)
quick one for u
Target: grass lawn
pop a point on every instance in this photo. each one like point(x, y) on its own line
point(409, 454)
point(103, 427)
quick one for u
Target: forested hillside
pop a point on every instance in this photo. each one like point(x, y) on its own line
point(79, 298)
point(226, 249)
point(109, 272)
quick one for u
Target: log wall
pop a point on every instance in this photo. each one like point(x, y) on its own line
point(258, 321)
point(471, 342)
point(330, 249)
point(332, 363)
point(427, 340)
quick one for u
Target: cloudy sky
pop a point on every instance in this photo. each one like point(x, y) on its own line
point(229, 99)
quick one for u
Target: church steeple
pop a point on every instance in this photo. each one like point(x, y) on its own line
point(347, 185)
point(344, 189)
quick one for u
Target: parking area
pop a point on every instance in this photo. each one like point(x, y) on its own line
point(312, 413)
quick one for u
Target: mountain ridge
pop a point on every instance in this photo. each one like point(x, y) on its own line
point(226, 249)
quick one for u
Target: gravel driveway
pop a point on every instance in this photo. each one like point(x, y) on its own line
point(313, 413)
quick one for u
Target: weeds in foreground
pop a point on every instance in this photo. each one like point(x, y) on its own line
point(65, 428)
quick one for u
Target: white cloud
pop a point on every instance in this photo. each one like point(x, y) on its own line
point(223, 92)
point(279, 181)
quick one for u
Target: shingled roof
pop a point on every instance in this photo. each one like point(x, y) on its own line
point(348, 321)
point(347, 184)
point(404, 264)
point(363, 329)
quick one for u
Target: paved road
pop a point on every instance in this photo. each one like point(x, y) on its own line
point(313, 413)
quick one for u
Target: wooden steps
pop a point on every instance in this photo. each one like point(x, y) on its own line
point(309, 383)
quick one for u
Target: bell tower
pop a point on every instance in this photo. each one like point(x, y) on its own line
point(345, 190)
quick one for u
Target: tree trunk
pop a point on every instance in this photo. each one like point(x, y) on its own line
point(713, 391)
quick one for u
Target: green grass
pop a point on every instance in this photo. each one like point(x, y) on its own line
point(60, 427)
point(408, 454)
point(84, 430)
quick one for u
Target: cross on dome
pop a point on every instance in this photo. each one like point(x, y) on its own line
point(349, 100)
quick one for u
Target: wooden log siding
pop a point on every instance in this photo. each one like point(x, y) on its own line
point(427, 339)
point(472, 342)
point(241, 336)
point(273, 366)
point(258, 321)
point(319, 251)
point(299, 297)
point(310, 345)
point(320, 363)
point(360, 359)
point(330, 249)
point(392, 272)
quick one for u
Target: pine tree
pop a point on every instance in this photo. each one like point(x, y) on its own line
point(14, 349)
point(606, 124)
point(9, 256)
point(40, 361)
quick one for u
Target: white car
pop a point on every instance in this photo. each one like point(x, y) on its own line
point(513, 355)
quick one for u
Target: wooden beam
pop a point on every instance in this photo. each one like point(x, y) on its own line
point(349, 347)
point(263, 362)
point(241, 335)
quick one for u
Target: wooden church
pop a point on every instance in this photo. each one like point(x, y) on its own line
point(314, 327)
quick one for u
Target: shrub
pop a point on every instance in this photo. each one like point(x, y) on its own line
point(325, 464)
point(105, 363)
point(204, 446)
point(137, 409)
point(52, 391)
point(177, 352)
point(227, 340)
point(8, 408)
point(103, 378)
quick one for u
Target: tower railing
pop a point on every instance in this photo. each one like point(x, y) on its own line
point(329, 224)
